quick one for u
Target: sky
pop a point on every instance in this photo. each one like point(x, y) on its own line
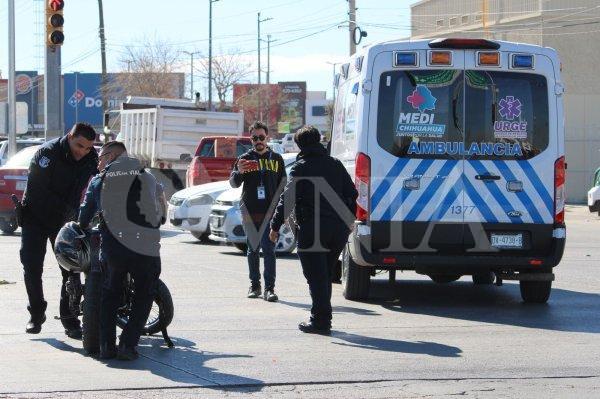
point(305, 33)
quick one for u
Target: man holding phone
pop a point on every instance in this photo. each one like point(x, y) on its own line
point(262, 172)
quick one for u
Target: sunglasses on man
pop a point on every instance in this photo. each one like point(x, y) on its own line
point(256, 137)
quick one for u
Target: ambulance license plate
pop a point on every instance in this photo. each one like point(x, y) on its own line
point(507, 240)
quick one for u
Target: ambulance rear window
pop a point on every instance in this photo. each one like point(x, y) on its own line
point(507, 110)
point(419, 107)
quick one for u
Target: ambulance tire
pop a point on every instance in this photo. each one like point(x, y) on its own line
point(355, 279)
point(444, 278)
point(535, 291)
point(486, 278)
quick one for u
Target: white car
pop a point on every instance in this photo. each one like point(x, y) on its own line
point(189, 208)
point(21, 143)
point(226, 218)
point(288, 143)
point(594, 194)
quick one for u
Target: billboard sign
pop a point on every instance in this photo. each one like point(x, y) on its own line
point(82, 99)
point(292, 105)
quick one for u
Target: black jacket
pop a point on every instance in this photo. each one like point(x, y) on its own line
point(272, 175)
point(314, 167)
point(55, 184)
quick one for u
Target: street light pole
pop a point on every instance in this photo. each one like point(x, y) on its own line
point(210, 2)
point(12, 110)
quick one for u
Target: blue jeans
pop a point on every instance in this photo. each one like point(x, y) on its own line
point(268, 250)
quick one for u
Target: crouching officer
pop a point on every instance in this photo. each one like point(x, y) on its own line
point(127, 199)
point(58, 174)
point(324, 198)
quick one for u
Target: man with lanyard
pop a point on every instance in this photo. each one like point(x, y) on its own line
point(263, 174)
point(128, 200)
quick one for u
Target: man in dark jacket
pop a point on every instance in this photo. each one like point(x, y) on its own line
point(324, 199)
point(128, 200)
point(262, 172)
point(58, 174)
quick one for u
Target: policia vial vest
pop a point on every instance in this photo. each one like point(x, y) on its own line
point(129, 206)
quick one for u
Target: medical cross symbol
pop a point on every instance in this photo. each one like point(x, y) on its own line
point(510, 108)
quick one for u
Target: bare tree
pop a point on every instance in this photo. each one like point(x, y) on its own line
point(227, 70)
point(149, 69)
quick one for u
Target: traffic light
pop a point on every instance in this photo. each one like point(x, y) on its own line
point(54, 23)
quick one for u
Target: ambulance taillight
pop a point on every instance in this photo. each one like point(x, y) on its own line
point(559, 190)
point(363, 186)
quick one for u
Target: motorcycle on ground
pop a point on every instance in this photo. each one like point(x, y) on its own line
point(78, 252)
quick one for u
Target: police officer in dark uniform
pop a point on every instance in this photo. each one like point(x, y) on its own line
point(58, 174)
point(129, 202)
point(323, 196)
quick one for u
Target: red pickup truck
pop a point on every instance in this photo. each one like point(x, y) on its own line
point(214, 159)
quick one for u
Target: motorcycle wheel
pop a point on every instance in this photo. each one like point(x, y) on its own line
point(162, 310)
point(91, 312)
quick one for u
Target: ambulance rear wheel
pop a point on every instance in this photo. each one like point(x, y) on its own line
point(355, 279)
point(535, 291)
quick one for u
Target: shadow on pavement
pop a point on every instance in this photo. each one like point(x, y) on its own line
point(395, 346)
point(182, 364)
point(565, 311)
point(336, 309)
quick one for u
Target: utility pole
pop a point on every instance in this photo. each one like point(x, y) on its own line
point(333, 64)
point(259, 71)
point(210, 3)
point(259, 40)
point(352, 24)
point(191, 54)
point(53, 110)
point(12, 104)
point(269, 41)
point(484, 12)
point(103, 56)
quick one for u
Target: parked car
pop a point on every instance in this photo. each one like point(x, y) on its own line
point(226, 219)
point(594, 193)
point(276, 147)
point(288, 143)
point(189, 208)
point(214, 159)
point(21, 144)
point(13, 180)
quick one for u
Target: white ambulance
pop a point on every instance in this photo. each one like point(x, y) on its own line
point(457, 149)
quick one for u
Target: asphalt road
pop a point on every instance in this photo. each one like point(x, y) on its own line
point(412, 339)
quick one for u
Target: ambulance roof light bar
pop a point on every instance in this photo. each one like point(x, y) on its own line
point(470, 44)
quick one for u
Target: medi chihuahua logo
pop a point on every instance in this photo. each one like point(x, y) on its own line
point(422, 99)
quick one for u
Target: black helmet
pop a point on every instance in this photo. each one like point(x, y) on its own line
point(72, 248)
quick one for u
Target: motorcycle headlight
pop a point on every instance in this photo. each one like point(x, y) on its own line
point(200, 200)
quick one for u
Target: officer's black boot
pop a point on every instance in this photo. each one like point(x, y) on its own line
point(38, 317)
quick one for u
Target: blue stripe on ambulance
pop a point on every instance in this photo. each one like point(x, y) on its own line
point(404, 193)
point(539, 186)
point(448, 200)
point(494, 190)
point(430, 191)
point(386, 183)
point(480, 204)
point(522, 195)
